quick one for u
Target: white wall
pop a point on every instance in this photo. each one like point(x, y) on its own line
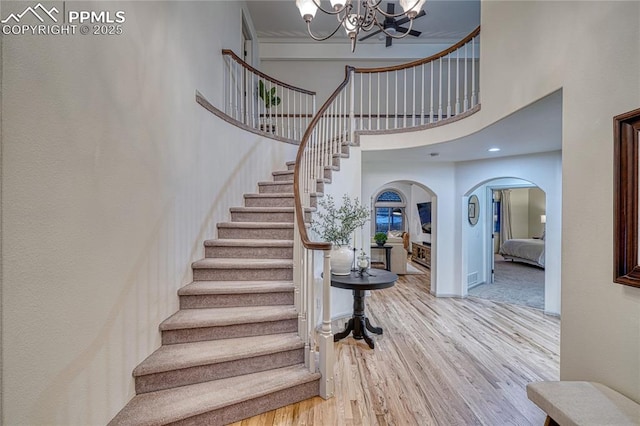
point(475, 239)
point(520, 213)
point(327, 74)
point(113, 177)
point(537, 207)
point(438, 178)
point(600, 320)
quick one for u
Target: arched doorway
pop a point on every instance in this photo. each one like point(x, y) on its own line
point(505, 244)
point(409, 207)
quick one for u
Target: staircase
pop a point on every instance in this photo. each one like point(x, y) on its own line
point(232, 350)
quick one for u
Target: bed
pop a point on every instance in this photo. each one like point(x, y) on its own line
point(524, 250)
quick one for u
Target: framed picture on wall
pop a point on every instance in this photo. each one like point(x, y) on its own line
point(473, 210)
point(626, 137)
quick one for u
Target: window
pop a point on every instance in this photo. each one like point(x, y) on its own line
point(389, 212)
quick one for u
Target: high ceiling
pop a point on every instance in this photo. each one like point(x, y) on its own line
point(536, 128)
point(445, 22)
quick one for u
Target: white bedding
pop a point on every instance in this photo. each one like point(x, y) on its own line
point(530, 250)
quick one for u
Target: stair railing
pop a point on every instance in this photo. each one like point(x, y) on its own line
point(263, 103)
point(427, 92)
point(419, 93)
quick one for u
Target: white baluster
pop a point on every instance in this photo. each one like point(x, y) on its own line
point(422, 101)
point(378, 109)
point(370, 96)
point(404, 96)
point(458, 82)
point(413, 99)
point(431, 102)
point(387, 101)
point(466, 78)
point(361, 96)
point(473, 72)
point(352, 120)
point(395, 108)
point(449, 85)
point(440, 92)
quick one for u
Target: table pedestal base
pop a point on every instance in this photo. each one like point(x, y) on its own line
point(359, 323)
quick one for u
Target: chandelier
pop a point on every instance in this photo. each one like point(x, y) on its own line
point(359, 15)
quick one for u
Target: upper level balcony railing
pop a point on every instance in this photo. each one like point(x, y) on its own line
point(419, 93)
point(263, 103)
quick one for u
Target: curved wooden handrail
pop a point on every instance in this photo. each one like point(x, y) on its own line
point(304, 236)
point(431, 58)
point(265, 76)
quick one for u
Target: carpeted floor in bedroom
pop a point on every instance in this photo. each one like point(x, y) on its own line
point(515, 282)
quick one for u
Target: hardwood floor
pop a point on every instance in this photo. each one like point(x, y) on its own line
point(440, 361)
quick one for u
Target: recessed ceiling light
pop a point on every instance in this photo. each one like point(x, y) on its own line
point(494, 149)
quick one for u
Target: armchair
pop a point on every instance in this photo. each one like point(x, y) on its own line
point(399, 253)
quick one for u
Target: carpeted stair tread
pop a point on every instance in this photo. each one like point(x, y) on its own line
point(171, 405)
point(266, 209)
point(271, 182)
point(234, 287)
point(221, 317)
point(270, 195)
point(186, 355)
point(232, 242)
point(231, 263)
point(279, 195)
point(256, 225)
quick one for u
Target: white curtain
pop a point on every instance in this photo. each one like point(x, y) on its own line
point(505, 215)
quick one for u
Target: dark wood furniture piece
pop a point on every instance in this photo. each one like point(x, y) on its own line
point(387, 255)
point(421, 253)
point(359, 323)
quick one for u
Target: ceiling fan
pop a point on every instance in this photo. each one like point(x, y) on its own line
point(392, 26)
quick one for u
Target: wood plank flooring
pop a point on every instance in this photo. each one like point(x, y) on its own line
point(440, 361)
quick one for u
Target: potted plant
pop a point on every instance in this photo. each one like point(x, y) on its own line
point(269, 98)
point(336, 225)
point(380, 238)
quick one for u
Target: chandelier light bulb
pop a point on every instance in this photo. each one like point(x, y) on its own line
point(338, 4)
point(412, 7)
point(351, 25)
point(307, 9)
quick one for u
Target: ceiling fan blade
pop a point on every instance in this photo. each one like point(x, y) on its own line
point(401, 30)
point(405, 20)
point(415, 33)
point(390, 8)
point(388, 42)
point(369, 35)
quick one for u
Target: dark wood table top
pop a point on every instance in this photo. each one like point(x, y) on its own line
point(377, 280)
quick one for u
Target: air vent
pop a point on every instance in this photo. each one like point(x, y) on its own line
point(472, 278)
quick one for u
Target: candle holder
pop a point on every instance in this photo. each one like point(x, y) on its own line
point(354, 266)
point(363, 264)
